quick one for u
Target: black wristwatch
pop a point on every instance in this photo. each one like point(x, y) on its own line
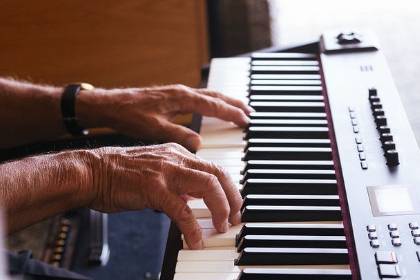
point(68, 110)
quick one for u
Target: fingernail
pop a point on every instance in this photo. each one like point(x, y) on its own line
point(250, 110)
point(236, 218)
point(198, 245)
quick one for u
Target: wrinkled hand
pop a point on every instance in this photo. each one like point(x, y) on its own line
point(146, 113)
point(163, 177)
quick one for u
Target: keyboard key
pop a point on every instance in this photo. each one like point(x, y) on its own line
point(389, 270)
point(292, 256)
point(318, 229)
point(374, 243)
point(295, 273)
point(268, 213)
point(385, 257)
point(396, 242)
point(291, 241)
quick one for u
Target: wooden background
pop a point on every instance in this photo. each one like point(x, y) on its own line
point(105, 42)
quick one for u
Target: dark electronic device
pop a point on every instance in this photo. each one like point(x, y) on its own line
point(329, 141)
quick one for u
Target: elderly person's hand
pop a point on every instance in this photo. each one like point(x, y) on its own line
point(163, 177)
point(146, 113)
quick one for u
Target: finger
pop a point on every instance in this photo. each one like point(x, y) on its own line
point(213, 107)
point(170, 132)
point(229, 187)
point(230, 100)
point(199, 184)
point(179, 212)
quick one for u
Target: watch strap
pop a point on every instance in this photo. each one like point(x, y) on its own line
point(68, 110)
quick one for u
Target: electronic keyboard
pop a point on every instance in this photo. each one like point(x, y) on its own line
point(327, 169)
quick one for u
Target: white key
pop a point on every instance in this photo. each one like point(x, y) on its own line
point(206, 276)
point(199, 208)
point(229, 267)
point(218, 153)
point(212, 238)
point(207, 266)
point(207, 255)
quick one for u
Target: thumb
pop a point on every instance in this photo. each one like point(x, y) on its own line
point(181, 135)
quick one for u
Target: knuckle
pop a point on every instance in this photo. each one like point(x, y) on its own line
point(211, 181)
point(181, 87)
point(172, 146)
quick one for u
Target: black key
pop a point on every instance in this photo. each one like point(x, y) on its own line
point(290, 186)
point(287, 122)
point(286, 90)
point(270, 213)
point(270, 142)
point(283, 55)
point(286, 82)
point(292, 256)
point(296, 200)
point(284, 69)
point(294, 274)
point(289, 164)
point(289, 62)
point(312, 77)
point(288, 98)
point(288, 115)
point(268, 106)
point(288, 153)
point(291, 241)
point(288, 174)
point(302, 132)
point(289, 229)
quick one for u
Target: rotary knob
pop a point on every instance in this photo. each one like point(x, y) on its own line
point(392, 158)
point(349, 37)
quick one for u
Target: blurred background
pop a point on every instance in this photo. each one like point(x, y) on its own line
point(148, 42)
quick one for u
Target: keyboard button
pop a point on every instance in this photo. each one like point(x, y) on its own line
point(415, 232)
point(360, 148)
point(416, 240)
point(394, 234)
point(385, 257)
point(373, 235)
point(418, 255)
point(362, 156)
point(413, 225)
point(364, 164)
point(392, 227)
point(358, 140)
point(374, 243)
point(355, 129)
point(389, 270)
point(371, 228)
point(396, 242)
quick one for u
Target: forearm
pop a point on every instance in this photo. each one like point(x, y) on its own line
point(28, 113)
point(37, 187)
